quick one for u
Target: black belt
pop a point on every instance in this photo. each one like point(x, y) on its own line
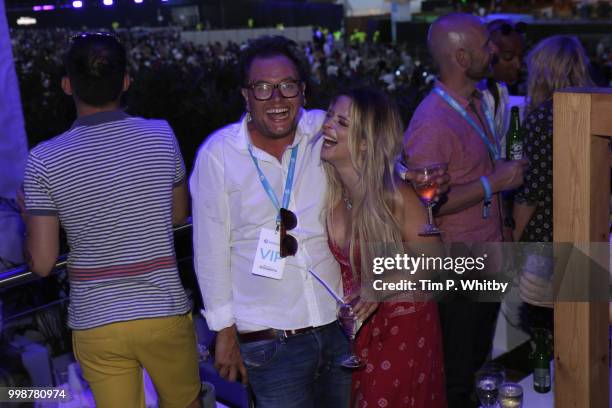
point(273, 334)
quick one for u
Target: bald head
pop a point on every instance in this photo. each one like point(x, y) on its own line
point(457, 41)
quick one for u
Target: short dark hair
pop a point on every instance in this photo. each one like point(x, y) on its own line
point(271, 46)
point(96, 64)
point(506, 27)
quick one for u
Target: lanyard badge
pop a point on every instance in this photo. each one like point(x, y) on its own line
point(275, 245)
point(288, 182)
point(494, 149)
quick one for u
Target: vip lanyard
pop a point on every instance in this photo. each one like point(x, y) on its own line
point(493, 149)
point(288, 183)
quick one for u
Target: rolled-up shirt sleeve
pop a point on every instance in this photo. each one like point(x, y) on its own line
point(211, 239)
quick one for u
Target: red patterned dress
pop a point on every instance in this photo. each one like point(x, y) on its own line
point(401, 345)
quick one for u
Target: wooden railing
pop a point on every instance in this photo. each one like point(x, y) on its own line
point(581, 207)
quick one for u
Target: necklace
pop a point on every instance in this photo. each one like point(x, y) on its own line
point(347, 201)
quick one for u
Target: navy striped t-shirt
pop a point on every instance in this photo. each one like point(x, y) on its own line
point(109, 179)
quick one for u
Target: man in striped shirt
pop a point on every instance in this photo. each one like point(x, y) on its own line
point(116, 184)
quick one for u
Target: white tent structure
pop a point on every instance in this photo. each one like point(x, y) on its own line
point(13, 144)
point(13, 152)
point(360, 8)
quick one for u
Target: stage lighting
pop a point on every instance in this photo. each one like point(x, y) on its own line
point(138, 1)
point(107, 2)
point(77, 4)
point(46, 7)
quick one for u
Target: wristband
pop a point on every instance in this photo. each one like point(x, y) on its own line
point(487, 188)
point(488, 196)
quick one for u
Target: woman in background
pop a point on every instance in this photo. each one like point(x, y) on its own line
point(367, 204)
point(555, 63)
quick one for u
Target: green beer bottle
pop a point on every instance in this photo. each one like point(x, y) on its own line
point(541, 357)
point(514, 138)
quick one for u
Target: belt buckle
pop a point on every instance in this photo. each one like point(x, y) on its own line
point(282, 336)
point(285, 334)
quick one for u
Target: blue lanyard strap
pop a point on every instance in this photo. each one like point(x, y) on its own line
point(493, 149)
point(288, 183)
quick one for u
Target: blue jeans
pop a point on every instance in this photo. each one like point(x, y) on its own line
point(301, 371)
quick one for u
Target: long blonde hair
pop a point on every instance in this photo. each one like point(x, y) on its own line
point(555, 63)
point(374, 121)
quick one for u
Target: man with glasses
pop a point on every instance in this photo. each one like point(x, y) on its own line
point(258, 189)
point(116, 184)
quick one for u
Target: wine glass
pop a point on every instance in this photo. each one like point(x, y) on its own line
point(425, 186)
point(350, 324)
point(488, 382)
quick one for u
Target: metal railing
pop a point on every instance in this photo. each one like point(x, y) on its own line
point(21, 275)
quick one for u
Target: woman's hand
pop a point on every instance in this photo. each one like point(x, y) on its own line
point(442, 178)
point(361, 308)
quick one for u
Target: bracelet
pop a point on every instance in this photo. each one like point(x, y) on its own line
point(488, 196)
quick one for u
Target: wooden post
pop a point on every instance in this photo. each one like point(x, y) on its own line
point(581, 213)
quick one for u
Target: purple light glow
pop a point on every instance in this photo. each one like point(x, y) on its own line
point(77, 4)
point(37, 8)
point(138, 1)
point(107, 2)
point(48, 7)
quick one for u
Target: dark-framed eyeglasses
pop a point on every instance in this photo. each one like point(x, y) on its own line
point(507, 29)
point(85, 36)
point(288, 243)
point(262, 91)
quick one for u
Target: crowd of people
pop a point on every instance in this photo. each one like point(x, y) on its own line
point(193, 86)
point(284, 197)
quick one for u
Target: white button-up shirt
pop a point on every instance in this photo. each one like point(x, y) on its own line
point(230, 207)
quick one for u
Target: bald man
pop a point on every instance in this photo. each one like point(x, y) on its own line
point(452, 125)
